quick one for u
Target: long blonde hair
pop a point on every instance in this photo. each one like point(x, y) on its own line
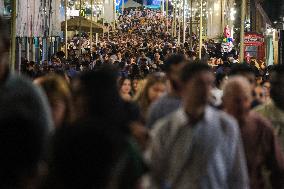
point(56, 88)
point(142, 97)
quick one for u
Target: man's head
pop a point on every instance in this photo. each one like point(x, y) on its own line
point(172, 67)
point(246, 71)
point(143, 55)
point(95, 92)
point(197, 81)
point(118, 54)
point(277, 86)
point(237, 97)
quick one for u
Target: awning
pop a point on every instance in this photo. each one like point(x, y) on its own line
point(131, 4)
point(73, 24)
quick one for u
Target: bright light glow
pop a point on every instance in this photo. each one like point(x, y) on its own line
point(232, 14)
point(216, 6)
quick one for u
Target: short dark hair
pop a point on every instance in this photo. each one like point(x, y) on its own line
point(192, 68)
point(219, 78)
point(278, 69)
point(5, 35)
point(173, 60)
point(241, 68)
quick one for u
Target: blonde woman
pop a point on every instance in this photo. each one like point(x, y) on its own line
point(59, 97)
point(154, 87)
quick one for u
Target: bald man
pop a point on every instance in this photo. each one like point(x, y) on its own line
point(261, 149)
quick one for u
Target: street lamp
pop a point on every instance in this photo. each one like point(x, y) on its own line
point(114, 14)
point(91, 29)
point(211, 21)
point(200, 28)
point(184, 21)
point(242, 33)
point(66, 27)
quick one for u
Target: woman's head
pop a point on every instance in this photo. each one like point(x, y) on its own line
point(59, 96)
point(124, 85)
point(136, 84)
point(154, 87)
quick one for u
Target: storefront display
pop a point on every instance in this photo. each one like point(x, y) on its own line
point(254, 46)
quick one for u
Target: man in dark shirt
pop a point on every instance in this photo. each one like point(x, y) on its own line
point(260, 143)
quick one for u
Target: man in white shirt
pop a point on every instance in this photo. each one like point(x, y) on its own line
point(197, 147)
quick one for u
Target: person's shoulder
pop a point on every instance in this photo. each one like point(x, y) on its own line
point(167, 123)
point(16, 78)
point(156, 106)
point(22, 84)
point(165, 99)
point(223, 116)
point(257, 117)
point(260, 121)
point(228, 124)
point(264, 108)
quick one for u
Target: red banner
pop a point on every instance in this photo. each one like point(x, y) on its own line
point(253, 39)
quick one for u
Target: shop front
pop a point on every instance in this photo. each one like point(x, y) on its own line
point(254, 46)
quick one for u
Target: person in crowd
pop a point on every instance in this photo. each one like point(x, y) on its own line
point(258, 78)
point(30, 70)
point(259, 94)
point(248, 72)
point(224, 68)
point(154, 87)
point(89, 155)
point(217, 91)
point(190, 148)
point(274, 109)
point(106, 105)
point(96, 96)
point(143, 58)
point(119, 56)
point(131, 60)
point(266, 87)
point(157, 61)
point(59, 97)
point(124, 86)
point(136, 85)
point(171, 100)
point(257, 134)
point(25, 119)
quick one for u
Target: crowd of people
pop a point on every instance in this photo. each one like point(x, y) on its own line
point(140, 111)
point(140, 37)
